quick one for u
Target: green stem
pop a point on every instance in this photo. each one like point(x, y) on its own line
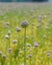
point(18, 48)
point(30, 61)
point(25, 47)
point(11, 63)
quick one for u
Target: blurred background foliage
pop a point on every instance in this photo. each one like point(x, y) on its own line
point(23, 0)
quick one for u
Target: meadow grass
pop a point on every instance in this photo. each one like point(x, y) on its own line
point(26, 34)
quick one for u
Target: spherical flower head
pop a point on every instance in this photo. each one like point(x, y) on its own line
point(28, 45)
point(48, 53)
point(7, 36)
point(24, 24)
point(27, 37)
point(7, 24)
point(18, 29)
point(30, 56)
point(10, 50)
point(36, 44)
point(14, 41)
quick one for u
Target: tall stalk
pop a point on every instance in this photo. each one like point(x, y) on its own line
point(25, 46)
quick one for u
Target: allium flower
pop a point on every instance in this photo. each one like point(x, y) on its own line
point(48, 53)
point(38, 25)
point(30, 55)
point(14, 41)
point(36, 44)
point(18, 29)
point(7, 24)
point(44, 36)
point(7, 36)
point(24, 24)
point(28, 45)
point(0, 52)
point(4, 56)
point(9, 32)
point(27, 37)
point(10, 50)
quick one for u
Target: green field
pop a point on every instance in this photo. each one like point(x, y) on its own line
point(25, 33)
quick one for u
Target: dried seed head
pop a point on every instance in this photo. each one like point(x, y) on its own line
point(10, 50)
point(24, 24)
point(7, 36)
point(14, 41)
point(18, 29)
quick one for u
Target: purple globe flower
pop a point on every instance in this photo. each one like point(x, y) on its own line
point(24, 24)
point(10, 50)
point(18, 29)
point(14, 41)
point(36, 44)
point(48, 53)
point(30, 55)
point(4, 56)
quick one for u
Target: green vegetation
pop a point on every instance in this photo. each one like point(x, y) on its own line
point(26, 34)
